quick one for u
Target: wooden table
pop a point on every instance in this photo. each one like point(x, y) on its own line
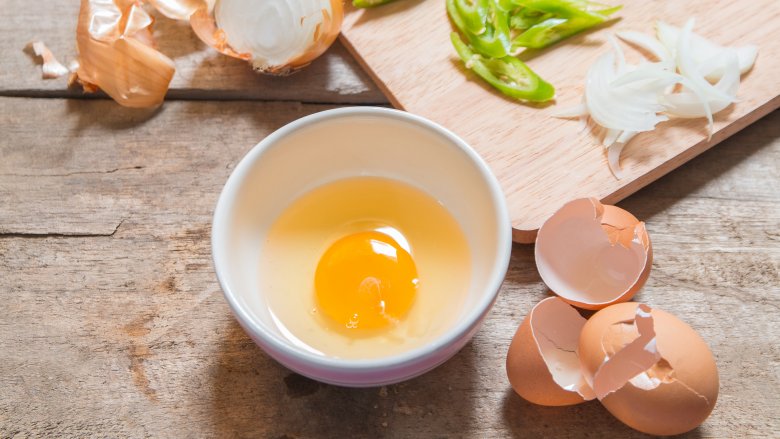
point(112, 323)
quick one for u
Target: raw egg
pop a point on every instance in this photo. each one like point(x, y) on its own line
point(366, 280)
point(364, 267)
point(593, 255)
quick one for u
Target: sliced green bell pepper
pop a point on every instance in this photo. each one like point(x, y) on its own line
point(484, 24)
point(369, 3)
point(564, 18)
point(473, 15)
point(507, 74)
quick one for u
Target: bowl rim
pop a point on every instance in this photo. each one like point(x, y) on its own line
point(473, 316)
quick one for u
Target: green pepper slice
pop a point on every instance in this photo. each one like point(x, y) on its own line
point(484, 24)
point(551, 31)
point(369, 3)
point(473, 15)
point(564, 19)
point(526, 19)
point(567, 8)
point(507, 74)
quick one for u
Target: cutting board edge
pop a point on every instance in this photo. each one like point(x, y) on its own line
point(522, 235)
point(344, 40)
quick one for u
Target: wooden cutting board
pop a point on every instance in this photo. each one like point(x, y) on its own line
point(543, 162)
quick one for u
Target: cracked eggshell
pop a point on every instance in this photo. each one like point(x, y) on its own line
point(542, 364)
point(593, 255)
point(675, 394)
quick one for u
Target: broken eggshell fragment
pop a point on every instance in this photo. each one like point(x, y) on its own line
point(648, 368)
point(277, 36)
point(542, 364)
point(593, 255)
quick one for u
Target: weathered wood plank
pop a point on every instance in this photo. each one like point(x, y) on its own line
point(126, 333)
point(201, 73)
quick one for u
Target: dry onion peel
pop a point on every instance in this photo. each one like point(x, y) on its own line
point(50, 67)
point(629, 99)
point(116, 53)
point(180, 9)
point(277, 36)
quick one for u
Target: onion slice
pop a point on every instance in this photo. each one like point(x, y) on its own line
point(277, 36)
point(625, 100)
point(686, 104)
point(50, 67)
point(650, 45)
point(704, 50)
point(116, 53)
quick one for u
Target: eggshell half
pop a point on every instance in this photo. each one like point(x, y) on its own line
point(542, 364)
point(679, 386)
point(593, 255)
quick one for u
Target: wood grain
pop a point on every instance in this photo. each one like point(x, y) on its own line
point(201, 73)
point(113, 324)
point(539, 160)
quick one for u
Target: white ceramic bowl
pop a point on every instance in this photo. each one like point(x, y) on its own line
point(348, 142)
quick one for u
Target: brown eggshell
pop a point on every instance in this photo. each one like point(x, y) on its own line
point(528, 371)
point(688, 375)
point(593, 255)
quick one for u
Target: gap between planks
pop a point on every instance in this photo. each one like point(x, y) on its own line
point(191, 95)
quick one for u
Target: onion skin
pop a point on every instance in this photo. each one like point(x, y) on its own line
point(205, 27)
point(177, 9)
point(204, 24)
point(120, 58)
point(50, 67)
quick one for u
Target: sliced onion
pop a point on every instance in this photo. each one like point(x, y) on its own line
point(611, 137)
point(628, 99)
point(704, 50)
point(116, 53)
point(687, 104)
point(688, 66)
point(614, 150)
point(277, 36)
point(631, 107)
point(649, 44)
point(50, 67)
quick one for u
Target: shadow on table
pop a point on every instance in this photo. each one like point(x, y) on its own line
point(256, 397)
point(589, 419)
point(99, 109)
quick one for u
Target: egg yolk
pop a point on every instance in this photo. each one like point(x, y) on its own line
point(365, 280)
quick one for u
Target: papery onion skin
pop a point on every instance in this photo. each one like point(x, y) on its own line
point(114, 39)
point(205, 27)
point(203, 22)
point(51, 68)
point(180, 9)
